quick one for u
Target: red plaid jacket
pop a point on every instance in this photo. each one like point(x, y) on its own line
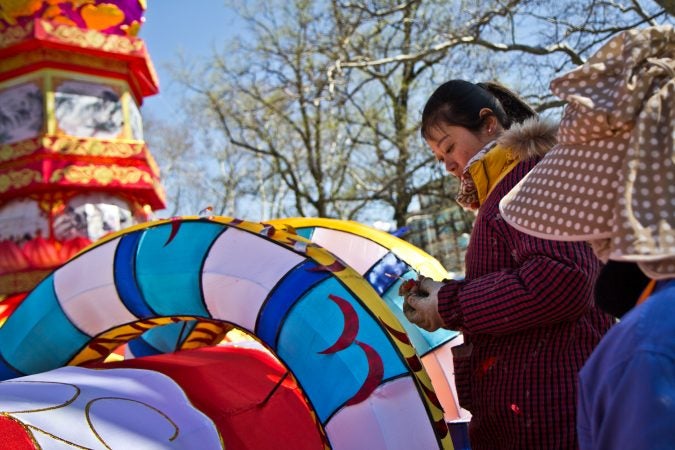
point(526, 310)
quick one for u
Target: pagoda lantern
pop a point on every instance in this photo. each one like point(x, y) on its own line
point(73, 163)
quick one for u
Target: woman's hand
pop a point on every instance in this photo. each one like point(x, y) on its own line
point(420, 304)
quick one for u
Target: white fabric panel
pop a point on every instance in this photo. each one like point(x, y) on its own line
point(392, 418)
point(128, 408)
point(358, 252)
point(239, 271)
point(86, 291)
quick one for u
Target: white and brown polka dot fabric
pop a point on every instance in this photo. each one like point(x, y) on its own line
point(611, 178)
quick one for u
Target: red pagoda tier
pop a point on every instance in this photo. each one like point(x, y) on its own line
point(73, 163)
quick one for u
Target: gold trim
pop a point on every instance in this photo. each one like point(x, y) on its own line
point(54, 56)
point(94, 147)
point(16, 150)
point(18, 178)
point(67, 145)
point(126, 115)
point(15, 34)
point(100, 346)
point(92, 39)
point(62, 75)
point(50, 103)
point(103, 175)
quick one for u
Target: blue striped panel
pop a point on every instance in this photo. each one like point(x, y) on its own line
point(38, 336)
point(169, 275)
point(313, 325)
point(7, 372)
point(283, 297)
point(125, 276)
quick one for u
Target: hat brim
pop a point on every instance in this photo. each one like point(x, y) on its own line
point(570, 194)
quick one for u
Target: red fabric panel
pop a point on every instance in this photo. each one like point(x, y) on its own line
point(230, 385)
point(13, 435)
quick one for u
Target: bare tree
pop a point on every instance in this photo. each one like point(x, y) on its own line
point(197, 174)
point(325, 96)
point(269, 98)
point(402, 49)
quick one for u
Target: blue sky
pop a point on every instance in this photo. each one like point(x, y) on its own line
point(191, 27)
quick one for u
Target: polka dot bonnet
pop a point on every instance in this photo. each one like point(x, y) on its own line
point(610, 179)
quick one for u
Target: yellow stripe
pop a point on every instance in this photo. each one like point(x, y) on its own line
point(421, 261)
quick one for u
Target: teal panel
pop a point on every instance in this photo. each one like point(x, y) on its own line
point(38, 336)
point(313, 325)
point(163, 339)
point(168, 266)
point(305, 232)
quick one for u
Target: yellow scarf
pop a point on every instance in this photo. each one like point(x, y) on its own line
point(483, 174)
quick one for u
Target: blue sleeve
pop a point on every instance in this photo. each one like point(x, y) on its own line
point(631, 406)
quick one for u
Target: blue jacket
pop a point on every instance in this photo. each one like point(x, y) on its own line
point(627, 386)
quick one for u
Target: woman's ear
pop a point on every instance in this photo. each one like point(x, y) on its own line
point(490, 123)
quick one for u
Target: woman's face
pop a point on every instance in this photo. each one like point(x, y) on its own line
point(455, 145)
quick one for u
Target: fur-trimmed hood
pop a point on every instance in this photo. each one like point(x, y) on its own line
point(534, 137)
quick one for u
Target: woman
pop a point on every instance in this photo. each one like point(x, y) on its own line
point(525, 306)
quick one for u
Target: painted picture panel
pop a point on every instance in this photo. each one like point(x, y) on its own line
point(87, 109)
point(21, 112)
point(22, 220)
point(92, 216)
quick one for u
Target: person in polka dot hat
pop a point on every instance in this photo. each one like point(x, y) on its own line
point(611, 181)
point(525, 306)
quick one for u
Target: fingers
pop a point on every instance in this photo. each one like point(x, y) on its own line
point(413, 309)
point(421, 319)
point(429, 286)
point(420, 308)
point(410, 313)
point(407, 287)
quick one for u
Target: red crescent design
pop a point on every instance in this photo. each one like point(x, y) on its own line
point(351, 326)
point(175, 225)
point(400, 335)
point(300, 246)
point(374, 377)
point(268, 230)
point(335, 267)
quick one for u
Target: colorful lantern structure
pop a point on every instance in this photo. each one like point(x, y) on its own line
point(350, 357)
point(73, 163)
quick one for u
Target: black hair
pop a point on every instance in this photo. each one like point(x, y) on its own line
point(459, 102)
point(619, 286)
